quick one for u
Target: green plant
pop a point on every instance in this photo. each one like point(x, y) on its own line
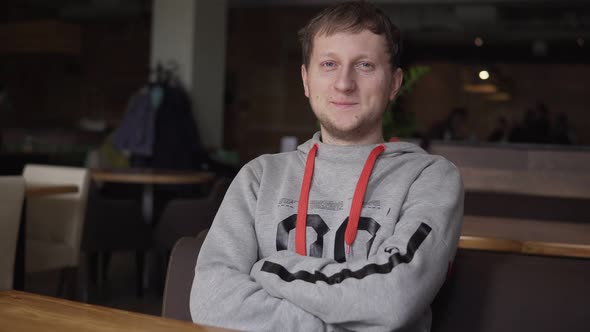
point(396, 121)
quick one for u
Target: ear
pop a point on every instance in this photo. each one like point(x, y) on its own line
point(304, 79)
point(396, 83)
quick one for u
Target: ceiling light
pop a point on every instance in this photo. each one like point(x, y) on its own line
point(478, 41)
point(484, 75)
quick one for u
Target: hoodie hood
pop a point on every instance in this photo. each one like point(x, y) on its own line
point(367, 154)
point(355, 153)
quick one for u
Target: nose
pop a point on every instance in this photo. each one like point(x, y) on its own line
point(345, 81)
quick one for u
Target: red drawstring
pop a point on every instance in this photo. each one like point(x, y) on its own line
point(355, 208)
point(300, 225)
point(359, 196)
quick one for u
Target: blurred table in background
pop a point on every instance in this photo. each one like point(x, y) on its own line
point(148, 178)
point(532, 237)
point(527, 199)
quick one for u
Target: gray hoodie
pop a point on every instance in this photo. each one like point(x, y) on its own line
point(376, 271)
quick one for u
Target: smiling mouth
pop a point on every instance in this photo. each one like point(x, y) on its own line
point(343, 104)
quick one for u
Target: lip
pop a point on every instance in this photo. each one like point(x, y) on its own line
point(343, 104)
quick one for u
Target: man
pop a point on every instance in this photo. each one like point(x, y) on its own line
point(347, 232)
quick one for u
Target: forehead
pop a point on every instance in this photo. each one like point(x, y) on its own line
point(350, 44)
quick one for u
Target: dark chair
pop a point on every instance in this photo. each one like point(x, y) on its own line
point(113, 225)
point(187, 217)
point(492, 291)
point(180, 275)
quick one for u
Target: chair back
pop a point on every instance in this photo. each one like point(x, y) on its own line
point(114, 224)
point(499, 291)
point(55, 222)
point(218, 191)
point(180, 276)
point(187, 217)
point(12, 193)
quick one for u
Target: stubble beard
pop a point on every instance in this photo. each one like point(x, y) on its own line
point(363, 128)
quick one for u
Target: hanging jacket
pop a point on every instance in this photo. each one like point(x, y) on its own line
point(136, 133)
point(381, 225)
point(177, 144)
point(159, 124)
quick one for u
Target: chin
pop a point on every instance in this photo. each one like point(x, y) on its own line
point(349, 129)
point(343, 131)
point(346, 122)
point(341, 127)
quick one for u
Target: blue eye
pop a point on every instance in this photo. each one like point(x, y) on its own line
point(328, 64)
point(366, 65)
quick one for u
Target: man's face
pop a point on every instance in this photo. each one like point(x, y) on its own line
point(349, 83)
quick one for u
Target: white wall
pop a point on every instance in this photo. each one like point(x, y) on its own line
point(173, 36)
point(192, 33)
point(209, 69)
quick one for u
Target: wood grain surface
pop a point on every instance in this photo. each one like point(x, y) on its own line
point(147, 176)
point(26, 312)
point(535, 237)
point(489, 244)
point(39, 190)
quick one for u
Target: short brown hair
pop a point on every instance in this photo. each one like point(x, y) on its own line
point(352, 16)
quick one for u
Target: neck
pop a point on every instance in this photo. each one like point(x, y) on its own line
point(373, 138)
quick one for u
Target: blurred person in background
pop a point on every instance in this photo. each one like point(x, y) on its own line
point(453, 128)
point(562, 132)
point(500, 132)
point(4, 109)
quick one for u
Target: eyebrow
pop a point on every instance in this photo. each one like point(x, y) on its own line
point(332, 54)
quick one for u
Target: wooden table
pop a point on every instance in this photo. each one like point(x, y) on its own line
point(527, 236)
point(24, 312)
point(134, 175)
point(33, 190)
point(523, 170)
point(565, 239)
point(148, 178)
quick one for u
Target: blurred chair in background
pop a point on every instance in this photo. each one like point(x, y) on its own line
point(55, 223)
point(503, 291)
point(12, 193)
point(180, 275)
point(113, 224)
point(187, 217)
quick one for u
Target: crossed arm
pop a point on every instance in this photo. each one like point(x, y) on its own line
point(223, 293)
point(392, 288)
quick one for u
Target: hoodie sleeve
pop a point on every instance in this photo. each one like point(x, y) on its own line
point(223, 293)
point(393, 287)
